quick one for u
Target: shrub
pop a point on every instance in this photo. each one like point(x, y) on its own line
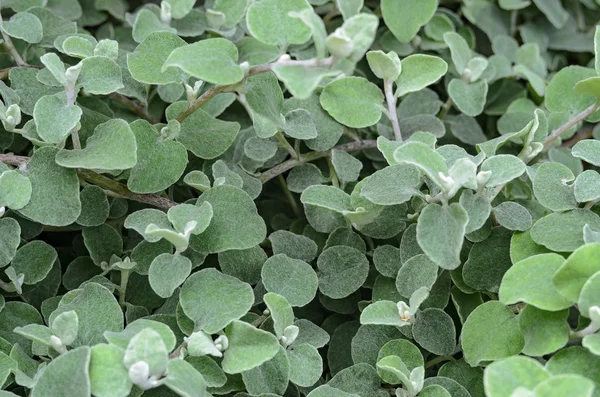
point(322, 198)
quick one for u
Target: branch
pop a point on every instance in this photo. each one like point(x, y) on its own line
point(570, 124)
point(555, 135)
point(391, 102)
point(101, 181)
point(10, 47)
point(289, 164)
point(217, 89)
point(137, 108)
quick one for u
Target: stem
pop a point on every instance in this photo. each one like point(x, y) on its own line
point(101, 181)
point(10, 47)
point(312, 156)
point(555, 135)
point(590, 204)
point(217, 89)
point(71, 98)
point(286, 145)
point(137, 108)
point(570, 124)
point(445, 108)
point(177, 351)
point(589, 330)
point(437, 360)
point(333, 175)
point(123, 287)
point(289, 196)
point(391, 101)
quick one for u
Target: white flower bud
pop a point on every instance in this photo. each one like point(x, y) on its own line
point(57, 344)
point(165, 12)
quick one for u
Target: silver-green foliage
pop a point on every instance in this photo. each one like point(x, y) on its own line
point(322, 198)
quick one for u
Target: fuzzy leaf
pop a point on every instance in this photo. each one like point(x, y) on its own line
point(113, 146)
point(269, 21)
point(530, 281)
point(211, 60)
point(469, 98)
point(54, 118)
point(343, 270)
point(24, 26)
point(213, 300)
point(294, 279)
point(248, 347)
point(353, 101)
point(167, 272)
point(146, 62)
point(405, 17)
point(418, 72)
point(235, 223)
point(15, 190)
point(440, 233)
point(73, 366)
point(50, 181)
point(491, 332)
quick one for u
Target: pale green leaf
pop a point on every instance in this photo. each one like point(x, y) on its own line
point(491, 332)
point(147, 346)
point(269, 21)
point(100, 75)
point(160, 162)
point(353, 101)
point(405, 17)
point(587, 150)
point(167, 272)
point(504, 168)
point(563, 231)
point(54, 118)
point(579, 267)
point(235, 223)
point(248, 347)
point(24, 26)
point(71, 366)
point(15, 190)
point(146, 62)
point(418, 72)
point(113, 146)
point(551, 187)
point(271, 377)
point(440, 233)
point(213, 300)
point(530, 281)
point(211, 60)
point(108, 375)
point(503, 377)
point(294, 279)
point(35, 260)
point(545, 332)
point(49, 181)
point(469, 98)
point(343, 270)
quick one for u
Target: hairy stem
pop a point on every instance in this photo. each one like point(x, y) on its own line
point(312, 156)
point(123, 287)
point(137, 108)
point(101, 181)
point(286, 145)
point(289, 196)
point(391, 102)
point(570, 124)
point(555, 135)
point(71, 98)
point(217, 89)
point(10, 47)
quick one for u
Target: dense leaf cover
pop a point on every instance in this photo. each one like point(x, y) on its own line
point(321, 198)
